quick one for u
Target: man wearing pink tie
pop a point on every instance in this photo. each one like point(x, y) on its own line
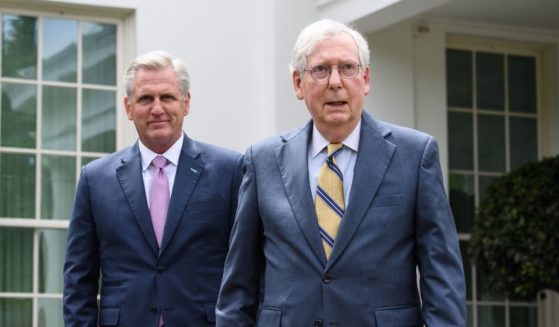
point(152, 219)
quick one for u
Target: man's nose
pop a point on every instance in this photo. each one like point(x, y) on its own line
point(334, 81)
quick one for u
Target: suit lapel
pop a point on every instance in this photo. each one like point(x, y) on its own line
point(129, 175)
point(292, 161)
point(373, 159)
point(189, 171)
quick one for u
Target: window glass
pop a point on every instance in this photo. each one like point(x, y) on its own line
point(523, 141)
point(17, 185)
point(467, 268)
point(491, 143)
point(491, 316)
point(16, 266)
point(59, 118)
point(522, 83)
point(484, 182)
point(18, 115)
point(50, 312)
point(60, 53)
point(460, 136)
point(490, 81)
point(51, 260)
point(19, 46)
point(523, 317)
point(99, 121)
point(99, 53)
point(58, 183)
point(459, 78)
point(462, 201)
point(16, 312)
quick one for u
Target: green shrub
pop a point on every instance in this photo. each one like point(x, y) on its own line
point(515, 239)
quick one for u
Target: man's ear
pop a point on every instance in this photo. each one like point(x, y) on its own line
point(128, 107)
point(297, 84)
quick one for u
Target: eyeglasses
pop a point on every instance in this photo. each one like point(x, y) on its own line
point(347, 70)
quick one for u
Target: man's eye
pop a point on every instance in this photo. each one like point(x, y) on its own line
point(320, 69)
point(144, 99)
point(167, 98)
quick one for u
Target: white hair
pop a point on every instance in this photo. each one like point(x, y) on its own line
point(156, 60)
point(311, 35)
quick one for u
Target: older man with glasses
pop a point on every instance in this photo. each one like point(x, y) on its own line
point(338, 220)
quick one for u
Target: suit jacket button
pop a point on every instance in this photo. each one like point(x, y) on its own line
point(153, 310)
point(160, 269)
point(326, 279)
point(318, 323)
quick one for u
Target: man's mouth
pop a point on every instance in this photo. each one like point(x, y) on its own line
point(336, 103)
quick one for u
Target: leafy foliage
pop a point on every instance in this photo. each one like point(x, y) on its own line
point(515, 240)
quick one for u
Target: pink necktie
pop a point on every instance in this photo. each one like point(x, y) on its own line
point(159, 197)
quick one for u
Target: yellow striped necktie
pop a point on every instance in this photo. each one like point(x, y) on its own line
point(329, 201)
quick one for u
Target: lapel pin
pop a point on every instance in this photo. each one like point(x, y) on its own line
point(194, 170)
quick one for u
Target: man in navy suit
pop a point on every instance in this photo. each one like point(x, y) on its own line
point(289, 263)
point(171, 278)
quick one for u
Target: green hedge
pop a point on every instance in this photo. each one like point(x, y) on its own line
point(515, 239)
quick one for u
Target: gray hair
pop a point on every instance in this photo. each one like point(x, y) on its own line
point(156, 60)
point(311, 35)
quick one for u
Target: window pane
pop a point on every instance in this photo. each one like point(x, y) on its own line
point(469, 316)
point(491, 316)
point(467, 269)
point(461, 141)
point(51, 260)
point(16, 312)
point(19, 46)
point(522, 83)
point(99, 121)
point(58, 185)
point(18, 115)
point(60, 54)
point(523, 317)
point(50, 313)
point(16, 251)
point(462, 201)
point(484, 182)
point(490, 81)
point(86, 160)
point(59, 118)
point(17, 185)
point(523, 141)
point(99, 53)
point(491, 143)
point(459, 78)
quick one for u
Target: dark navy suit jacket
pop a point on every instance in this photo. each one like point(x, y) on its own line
point(111, 233)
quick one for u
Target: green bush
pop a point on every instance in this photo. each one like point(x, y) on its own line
point(515, 239)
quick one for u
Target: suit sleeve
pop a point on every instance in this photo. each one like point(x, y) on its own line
point(440, 265)
point(81, 266)
point(238, 300)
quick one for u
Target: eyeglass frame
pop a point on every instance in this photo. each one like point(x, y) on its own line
point(331, 68)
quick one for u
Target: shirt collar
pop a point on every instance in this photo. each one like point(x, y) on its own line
point(172, 155)
point(318, 142)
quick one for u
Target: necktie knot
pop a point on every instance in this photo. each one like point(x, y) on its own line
point(159, 162)
point(333, 149)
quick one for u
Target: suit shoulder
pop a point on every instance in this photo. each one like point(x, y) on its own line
point(402, 135)
point(108, 161)
point(271, 143)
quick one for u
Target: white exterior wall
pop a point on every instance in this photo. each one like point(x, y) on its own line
point(238, 53)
